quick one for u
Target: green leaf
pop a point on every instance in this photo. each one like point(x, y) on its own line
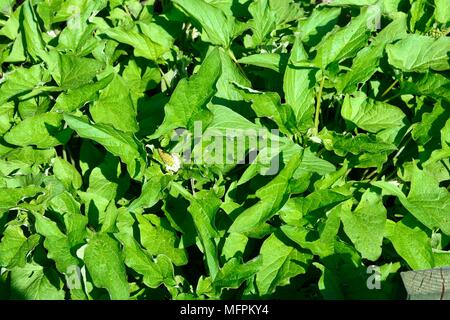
point(203, 208)
point(411, 243)
point(429, 84)
point(365, 225)
point(263, 22)
point(15, 247)
point(418, 53)
point(217, 27)
point(34, 43)
point(120, 144)
point(341, 144)
point(43, 130)
point(323, 246)
point(344, 42)
point(67, 174)
point(320, 21)
point(155, 271)
point(426, 201)
point(10, 197)
point(75, 98)
point(105, 265)
point(57, 243)
point(21, 81)
point(367, 60)
point(143, 45)
point(281, 262)
point(298, 86)
point(158, 238)
point(115, 107)
point(371, 115)
point(151, 192)
point(191, 96)
point(271, 61)
point(234, 245)
point(33, 283)
point(441, 11)
point(234, 273)
point(269, 105)
point(270, 200)
point(74, 72)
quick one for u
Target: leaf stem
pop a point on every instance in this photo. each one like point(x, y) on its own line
point(390, 88)
point(186, 194)
point(232, 56)
point(318, 103)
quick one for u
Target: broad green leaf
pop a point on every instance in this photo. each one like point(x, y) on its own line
point(270, 200)
point(231, 73)
point(263, 22)
point(217, 26)
point(32, 283)
point(74, 72)
point(426, 201)
point(120, 144)
point(191, 96)
point(6, 116)
point(34, 43)
point(203, 208)
point(365, 225)
point(15, 247)
point(268, 104)
point(10, 197)
point(21, 81)
point(56, 243)
point(280, 263)
point(66, 173)
point(320, 21)
point(412, 244)
point(344, 42)
point(157, 237)
point(420, 15)
point(296, 208)
point(234, 245)
point(151, 192)
point(115, 107)
point(341, 144)
point(104, 263)
point(298, 86)
point(323, 246)
point(44, 131)
point(367, 60)
point(266, 60)
point(10, 28)
point(424, 130)
point(418, 53)
point(371, 115)
point(441, 11)
point(75, 98)
point(143, 45)
point(234, 273)
point(429, 84)
point(155, 272)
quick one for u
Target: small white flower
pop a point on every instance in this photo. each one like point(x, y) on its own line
point(176, 165)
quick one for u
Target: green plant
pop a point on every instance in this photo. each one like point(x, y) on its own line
point(99, 199)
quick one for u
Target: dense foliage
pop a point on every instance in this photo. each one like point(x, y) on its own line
point(96, 201)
